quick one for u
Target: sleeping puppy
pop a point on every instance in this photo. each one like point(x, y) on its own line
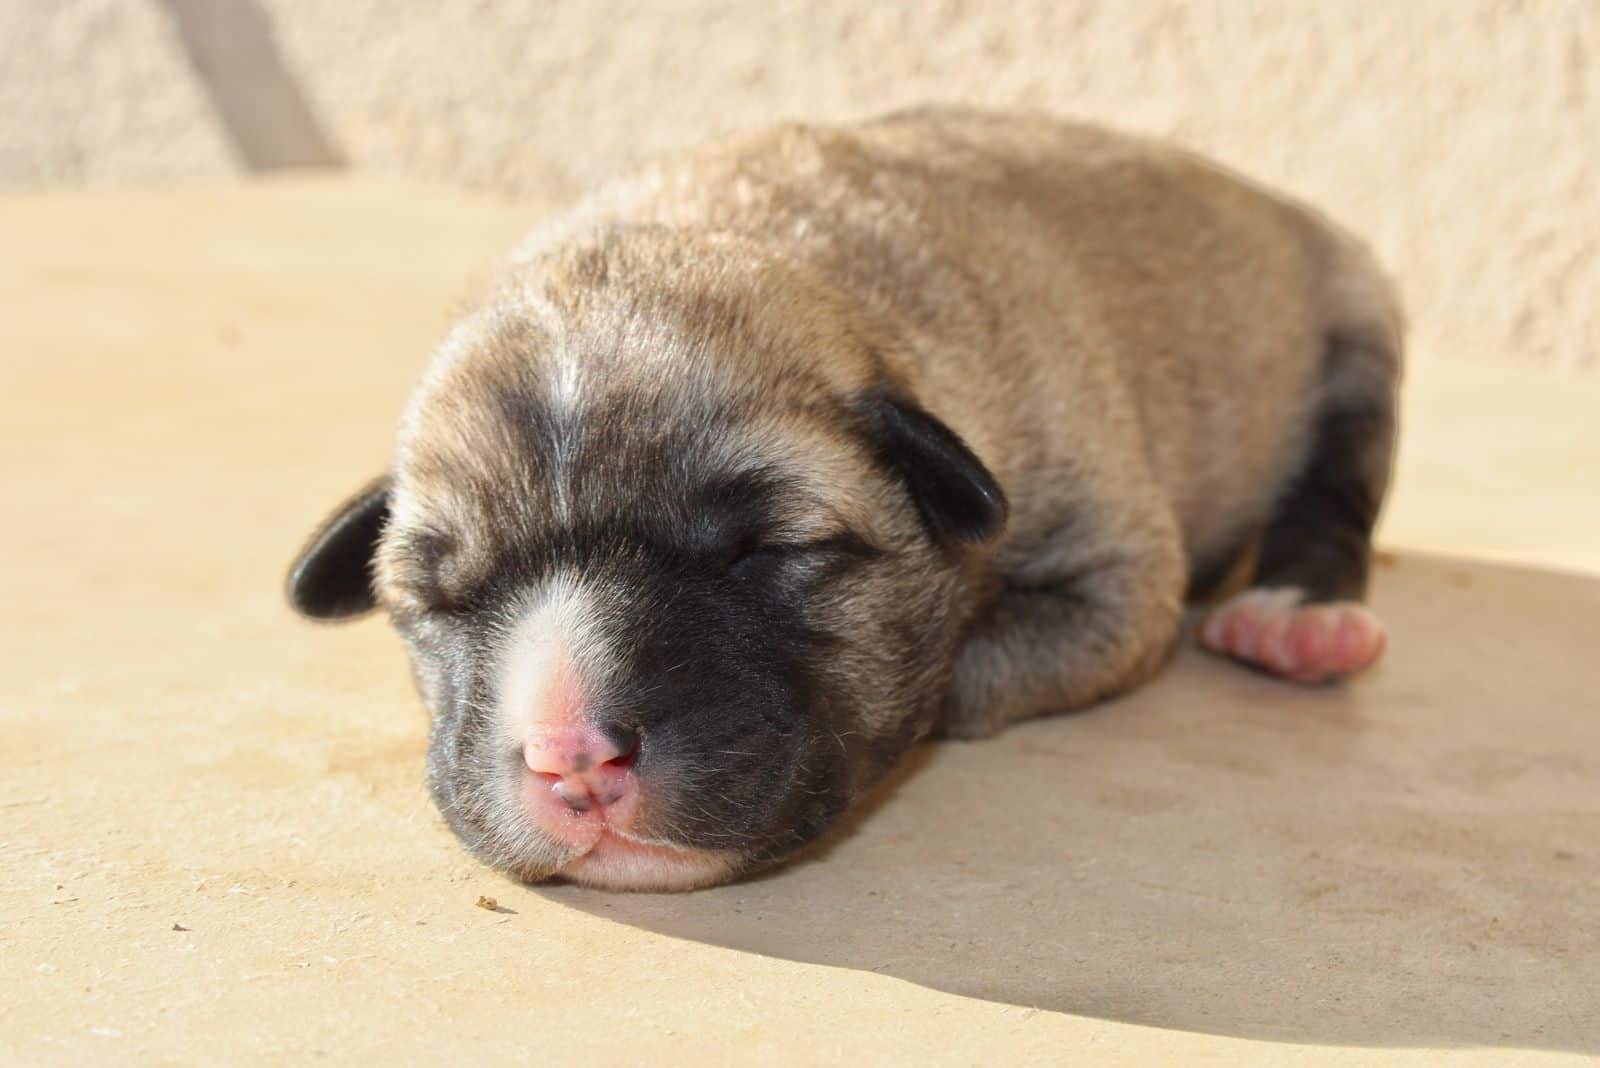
point(759, 467)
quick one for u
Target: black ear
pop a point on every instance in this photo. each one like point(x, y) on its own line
point(958, 498)
point(332, 577)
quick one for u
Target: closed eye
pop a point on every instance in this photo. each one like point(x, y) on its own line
point(759, 557)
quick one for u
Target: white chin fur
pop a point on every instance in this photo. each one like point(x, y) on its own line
point(612, 866)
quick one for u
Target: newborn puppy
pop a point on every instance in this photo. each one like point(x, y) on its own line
point(761, 466)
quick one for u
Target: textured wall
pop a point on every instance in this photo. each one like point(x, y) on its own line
point(1462, 136)
point(96, 91)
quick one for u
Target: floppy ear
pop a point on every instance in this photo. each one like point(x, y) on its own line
point(957, 497)
point(332, 577)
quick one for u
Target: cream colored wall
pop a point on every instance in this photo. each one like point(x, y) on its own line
point(1462, 136)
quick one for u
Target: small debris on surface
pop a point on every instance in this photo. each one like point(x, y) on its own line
point(179, 927)
point(492, 905)
point(1566, 854)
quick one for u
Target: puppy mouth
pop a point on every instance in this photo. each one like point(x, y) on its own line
point(575, 824)
point(602, 850)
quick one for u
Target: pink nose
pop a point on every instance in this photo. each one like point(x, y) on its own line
point(584, 767)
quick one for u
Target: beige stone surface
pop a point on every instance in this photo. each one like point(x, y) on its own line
point(216, 845)
point(1462, 136)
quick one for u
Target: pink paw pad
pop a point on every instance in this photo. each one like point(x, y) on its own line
point(1274, 630)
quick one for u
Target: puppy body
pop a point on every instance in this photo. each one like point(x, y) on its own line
point(1157, 364)
point(1136, 342)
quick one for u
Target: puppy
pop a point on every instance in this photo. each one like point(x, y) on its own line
point(759, 467)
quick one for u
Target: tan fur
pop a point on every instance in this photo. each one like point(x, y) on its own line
point(1130, 338)
point(696, 443)
point(705, 419)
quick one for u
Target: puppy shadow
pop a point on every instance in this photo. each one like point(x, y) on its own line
point(1413, 859)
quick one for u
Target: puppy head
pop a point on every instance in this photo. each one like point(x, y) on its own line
point(676, 565)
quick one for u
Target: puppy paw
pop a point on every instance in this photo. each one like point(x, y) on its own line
point(1274, 630)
